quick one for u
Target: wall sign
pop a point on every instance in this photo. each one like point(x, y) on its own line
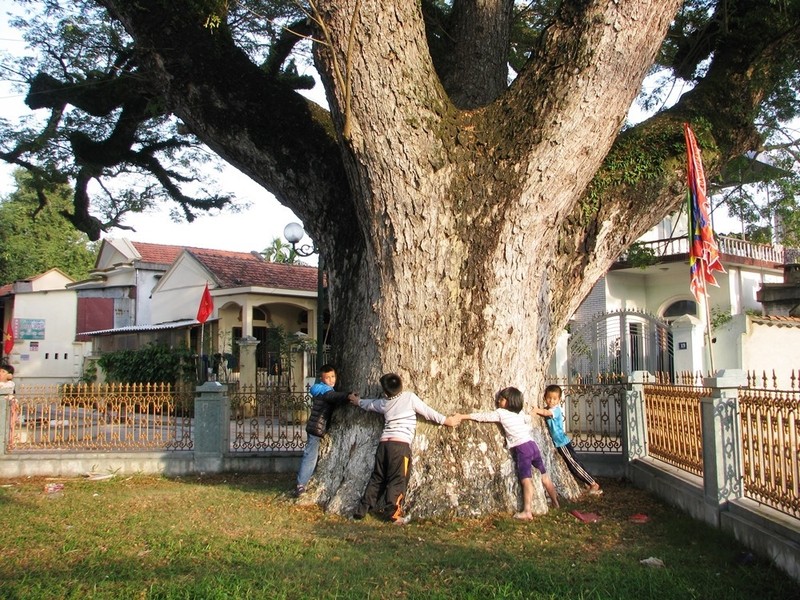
point(29, 329)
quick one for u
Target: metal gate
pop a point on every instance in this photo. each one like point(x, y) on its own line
point(620, 342)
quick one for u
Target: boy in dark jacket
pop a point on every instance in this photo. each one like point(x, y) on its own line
point(324, 400)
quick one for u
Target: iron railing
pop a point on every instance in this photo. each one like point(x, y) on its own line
point(727, 245)
point(673, 420)
point(265, 419)
point(593, 408)
point(770, 431)
point(110, 416)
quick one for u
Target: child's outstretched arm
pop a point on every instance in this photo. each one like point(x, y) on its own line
point(482, 417)
point(453, 420)
point(542, 412)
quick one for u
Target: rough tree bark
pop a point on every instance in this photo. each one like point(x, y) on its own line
point(458, 240)
point(461, 210)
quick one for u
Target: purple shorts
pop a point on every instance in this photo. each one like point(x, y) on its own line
point(525, 455)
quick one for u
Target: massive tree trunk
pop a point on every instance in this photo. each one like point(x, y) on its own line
point(458, 241)
point(458, 210)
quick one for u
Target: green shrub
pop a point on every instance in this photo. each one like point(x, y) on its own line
point(154, 363)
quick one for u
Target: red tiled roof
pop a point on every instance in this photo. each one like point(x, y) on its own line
point(166, 254)
point(779, 320)
point(157, 253)
point(241, 269)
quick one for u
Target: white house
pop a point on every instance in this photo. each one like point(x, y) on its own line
point(118, 290)
point(256, 305)
point(42, 314)
point(645, 317)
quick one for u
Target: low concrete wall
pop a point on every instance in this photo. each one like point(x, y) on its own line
point(171, 464)
point(604, 465)
point(765, 531)
point(676, 487)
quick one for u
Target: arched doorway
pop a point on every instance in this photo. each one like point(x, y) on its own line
point(678, 308)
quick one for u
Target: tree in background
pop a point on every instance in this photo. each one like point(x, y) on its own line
point(462, 214)
point(280, 252)
point(35, 237)
point(769, 209)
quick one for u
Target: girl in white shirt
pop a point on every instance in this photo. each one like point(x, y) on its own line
point(526, 453)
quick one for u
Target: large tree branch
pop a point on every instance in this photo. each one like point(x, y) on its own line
point(643, 178)
point(98, 96)
point(575, 91)
point(473, 60)
point(113, 149)
point(241, 113)
point(566, 107)
point(282, 48)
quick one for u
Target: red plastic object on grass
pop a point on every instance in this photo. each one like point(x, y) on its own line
point(587, 517)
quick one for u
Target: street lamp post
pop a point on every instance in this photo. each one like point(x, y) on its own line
point(293, 233)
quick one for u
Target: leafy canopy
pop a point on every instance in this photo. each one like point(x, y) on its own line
point(34, 237)
point(105, 126)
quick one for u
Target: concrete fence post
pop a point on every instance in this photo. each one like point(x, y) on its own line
point(634, 426)
point(211, 426)
point(722, 455)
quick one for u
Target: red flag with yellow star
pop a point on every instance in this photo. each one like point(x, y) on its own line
point(8, 339)
point(206, 306)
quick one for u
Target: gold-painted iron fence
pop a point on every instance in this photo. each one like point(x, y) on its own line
point(770, 430)
point(264, 419)
point(108, 416)
point(155, 416)
point(673, 420)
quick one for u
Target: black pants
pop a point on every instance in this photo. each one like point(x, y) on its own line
point(386, 489)
point(567, 452)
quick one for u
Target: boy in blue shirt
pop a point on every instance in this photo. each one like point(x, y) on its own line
point(324, 400)
point(554, 417)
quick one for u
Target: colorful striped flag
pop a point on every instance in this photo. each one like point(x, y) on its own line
point(703, 251)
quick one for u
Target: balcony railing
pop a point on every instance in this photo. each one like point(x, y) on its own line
point(727, 245)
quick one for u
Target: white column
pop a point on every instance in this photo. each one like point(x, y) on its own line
point(722, 460)
point(687, 344)
point(247, 319)
point(735, 290)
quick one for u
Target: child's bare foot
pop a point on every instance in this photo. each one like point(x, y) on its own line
point(524, 516)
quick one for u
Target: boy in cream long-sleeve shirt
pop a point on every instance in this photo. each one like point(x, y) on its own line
point(392, 468)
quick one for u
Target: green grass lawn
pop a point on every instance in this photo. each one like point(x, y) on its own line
point(242, 536)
